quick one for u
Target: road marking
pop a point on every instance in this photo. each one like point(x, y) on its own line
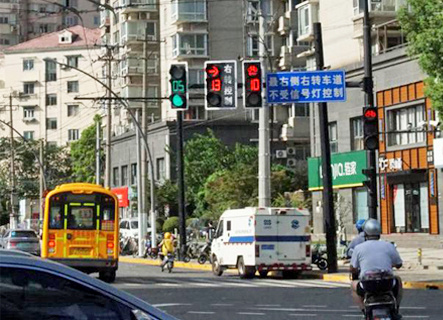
point(267, 305)
point(240, 284)
point(352, 315)
point(302, 315)
point(134, 285)
point(251, 313)
point(272, 283)
point(416, 317)
point(168, 284)
point(161, 305)
point(304, 309)
point(201, 312)
point(313, 306)
point(222, 304)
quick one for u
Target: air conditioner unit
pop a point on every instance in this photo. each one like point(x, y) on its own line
point(291, 122)
point(283, 25)
point(280, 154)
point(291, 162)
point(290, 151)
point(30, 119)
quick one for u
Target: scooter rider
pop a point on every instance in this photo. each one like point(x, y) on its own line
point(167, 246)
point(374, 255)
point(360, 238)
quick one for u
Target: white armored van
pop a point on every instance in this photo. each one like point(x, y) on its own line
point(262, 239)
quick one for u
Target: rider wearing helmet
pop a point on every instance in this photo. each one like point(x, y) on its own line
point(167, 246)
point(360, 238)
point(374, 255)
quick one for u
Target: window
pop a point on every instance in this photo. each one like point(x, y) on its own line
point(73, 110)
point(301, 110)
point(51, 99)
point(189, 44)
point(190, 10)
point(71, 21)
point(196, 76)
point(4, 41)
point(51, 71)
point(357, 136)
point(24, 286)
point(409, 122)
point(72, 61)
point(96, 21)
point(160, 168)
point(28, 135)
point(28, 112)
point(228, 225)
point(307, 15)
point(124, 175)
point(72, 86)
point(360, 204)
point(4, 20)
point(253, 46)
point(133, 173)
point(28, 87)
point(51, 123)
point(73, 134)
point(333, 137)
point(71, 3)
point(115, 180)
point(28, 64)
point(195, 113)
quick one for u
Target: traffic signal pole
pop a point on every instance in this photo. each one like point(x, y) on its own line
point(328, 203)
point(181, 185)
point(368, 88)
point(264, 159)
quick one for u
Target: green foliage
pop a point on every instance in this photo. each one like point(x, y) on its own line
point(423, 26)
point(83, 154)
point(171, 224)
point(166, 194)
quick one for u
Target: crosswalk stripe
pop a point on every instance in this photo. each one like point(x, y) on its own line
point(273, 283)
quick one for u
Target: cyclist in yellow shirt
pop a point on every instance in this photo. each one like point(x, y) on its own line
point(167, 246)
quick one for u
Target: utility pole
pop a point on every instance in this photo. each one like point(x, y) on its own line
point(13, 217)
point(97, 152)
point(139, 185)
point(328, 202)
point(144, 167)
point(264, 159)
point(109, 118)
point(181, 185)
point(41, 180)
point(368, 88)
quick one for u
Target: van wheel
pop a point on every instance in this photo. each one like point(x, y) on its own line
point(244, 272)
point(263, 273)
point(107, 276)
point(216, 268)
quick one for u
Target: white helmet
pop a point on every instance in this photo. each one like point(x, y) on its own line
point(372, 228)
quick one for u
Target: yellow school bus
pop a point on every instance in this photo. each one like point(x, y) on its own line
point(80, 228)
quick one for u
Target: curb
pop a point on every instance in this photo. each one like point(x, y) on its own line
point(424, 285)
point(177, 264)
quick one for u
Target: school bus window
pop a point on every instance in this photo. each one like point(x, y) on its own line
point(81, 218)
point(55, 218)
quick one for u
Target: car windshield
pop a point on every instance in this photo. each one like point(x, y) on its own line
point(134, 224)
point(23, 234)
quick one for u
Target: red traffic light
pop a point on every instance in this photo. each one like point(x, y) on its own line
point(252, 70)
point(370, 113)
point(213, 71)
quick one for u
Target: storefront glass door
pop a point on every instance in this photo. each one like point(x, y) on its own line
point(410, 202)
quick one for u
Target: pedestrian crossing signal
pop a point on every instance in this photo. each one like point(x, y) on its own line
point(370, 127)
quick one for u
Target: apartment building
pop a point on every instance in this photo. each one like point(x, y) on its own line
point(21, 20)
point(409, 200)
point(196, 31)
point(43, 92)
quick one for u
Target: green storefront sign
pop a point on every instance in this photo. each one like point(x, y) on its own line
point(346, 170)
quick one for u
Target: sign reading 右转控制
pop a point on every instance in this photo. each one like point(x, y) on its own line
point(307, 86)
point(346, 170)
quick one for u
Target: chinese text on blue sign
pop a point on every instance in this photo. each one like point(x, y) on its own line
point(308, 86)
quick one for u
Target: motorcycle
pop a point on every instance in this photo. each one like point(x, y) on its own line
point(319, 258)
point(128, 246)
point(169, 264)
point(205, 253)
point(192, 251)
point(379, 300)
point(150, 251)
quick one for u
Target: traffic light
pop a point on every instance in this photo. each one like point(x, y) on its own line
point(370, 127)
point(179, 86)
point(252, 80)
point(221, 85)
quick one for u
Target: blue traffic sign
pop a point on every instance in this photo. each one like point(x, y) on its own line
point(307, 86)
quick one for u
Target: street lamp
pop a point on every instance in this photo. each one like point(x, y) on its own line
point(145, 143)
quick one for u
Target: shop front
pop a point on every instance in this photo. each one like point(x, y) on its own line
point(407, 177)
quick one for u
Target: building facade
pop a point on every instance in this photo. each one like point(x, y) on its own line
point(22, 20)
point(43, 92)
point(399, 159)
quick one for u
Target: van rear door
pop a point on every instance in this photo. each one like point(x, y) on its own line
point(292, 239)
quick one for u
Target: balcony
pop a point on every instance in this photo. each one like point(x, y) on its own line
point(388, 37)
point(190, 46)
point(289, 57)
point(307, 13)
point(105, 19)
point(189, 11)
point(128, 6)
point(137, 92)
point(134, 31)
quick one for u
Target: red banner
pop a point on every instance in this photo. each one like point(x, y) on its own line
point(122, 195)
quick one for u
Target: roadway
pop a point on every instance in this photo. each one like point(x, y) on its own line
point(194, 294)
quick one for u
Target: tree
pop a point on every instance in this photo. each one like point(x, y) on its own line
point(83, 154)
point(422, 22)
